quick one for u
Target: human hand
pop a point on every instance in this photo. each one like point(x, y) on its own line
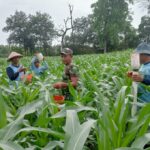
point(129, 74)
point(22, 69)
point(58, 85)
point(137, 77)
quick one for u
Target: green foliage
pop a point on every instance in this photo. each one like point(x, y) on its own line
point(30, 31)
point(3, 118)
point(144, 29)
point(4, 51)
point(107, 28)
point(76, 134)
point(99, 117)
point(111, 20)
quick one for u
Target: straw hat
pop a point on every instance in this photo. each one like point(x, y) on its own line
point(13, 55)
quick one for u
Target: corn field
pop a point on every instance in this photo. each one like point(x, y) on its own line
point(99, 118)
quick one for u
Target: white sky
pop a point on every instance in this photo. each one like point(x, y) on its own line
point(58, 9)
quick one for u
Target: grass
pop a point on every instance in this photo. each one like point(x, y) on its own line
point(99, 118)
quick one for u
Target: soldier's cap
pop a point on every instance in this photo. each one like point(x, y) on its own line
point(143, 48)
point(66, 51)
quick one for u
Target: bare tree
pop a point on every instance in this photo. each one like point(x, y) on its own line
point(71, 17)
point(68, 25)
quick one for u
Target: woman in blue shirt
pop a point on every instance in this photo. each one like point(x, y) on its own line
point(37, 68)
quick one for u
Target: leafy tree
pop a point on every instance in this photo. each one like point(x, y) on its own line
point(110, 19)
point(17, 26)
point(128, 38)
point(83, 32)
point(41, 30)
point(84, 39)
point(30, 31)
point(144, 29)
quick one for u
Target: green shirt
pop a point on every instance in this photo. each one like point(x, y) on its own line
point(69, 72)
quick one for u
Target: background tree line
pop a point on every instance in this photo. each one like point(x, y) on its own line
point(108, 28)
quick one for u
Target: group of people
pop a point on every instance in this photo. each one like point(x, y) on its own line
point(16, 71)
point(71, 73)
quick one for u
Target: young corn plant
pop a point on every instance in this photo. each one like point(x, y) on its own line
point(98, 118)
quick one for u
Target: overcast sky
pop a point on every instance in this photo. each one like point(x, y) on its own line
point(58, 9)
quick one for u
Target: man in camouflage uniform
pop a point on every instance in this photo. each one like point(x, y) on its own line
point(71, 74)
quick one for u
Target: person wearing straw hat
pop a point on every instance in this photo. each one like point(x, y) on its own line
point(15, 71)
point(143, 76)
point(70, 75)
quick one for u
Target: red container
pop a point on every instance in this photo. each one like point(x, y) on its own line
point(59, 99)
point(27, 78)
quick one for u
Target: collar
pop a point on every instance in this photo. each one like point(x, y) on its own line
point(68, 65)
point(15, 66)
point(147, 63)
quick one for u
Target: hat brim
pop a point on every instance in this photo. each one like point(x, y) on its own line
point(19, 56)
point(142, 52)
point(63, 53)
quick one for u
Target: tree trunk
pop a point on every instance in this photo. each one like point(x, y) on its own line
point(105, 46)
point(62, 42)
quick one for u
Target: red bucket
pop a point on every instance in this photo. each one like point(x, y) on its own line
point(27, 78)
point(59, 99)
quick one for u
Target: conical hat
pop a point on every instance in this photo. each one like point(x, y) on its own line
point(13, 54)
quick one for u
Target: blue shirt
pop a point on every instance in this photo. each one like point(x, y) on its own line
point(13, 72)
point(144, 94)
point(40, 70)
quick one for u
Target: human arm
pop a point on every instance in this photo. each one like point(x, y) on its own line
point(44, 66)
point(62, 85)
point(13, 76)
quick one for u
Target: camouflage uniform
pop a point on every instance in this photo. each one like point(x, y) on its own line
point(70, 71)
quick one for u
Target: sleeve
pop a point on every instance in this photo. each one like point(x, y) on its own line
point(32, 63)
point(12, 76)
point(146, 80)
point(74, 71)
point(44, 66)
point(33, 59)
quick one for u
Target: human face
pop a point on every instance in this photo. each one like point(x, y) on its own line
point(37, 64)
point(66, 59)
point(144, 58)
point(15, 60)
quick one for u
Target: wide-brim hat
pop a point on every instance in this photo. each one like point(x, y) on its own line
point(13, 55)
point(143, 48)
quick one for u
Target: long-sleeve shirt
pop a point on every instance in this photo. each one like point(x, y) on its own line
point(40, 70)
point(146, 80)
point(144, 94)
point(11, 74)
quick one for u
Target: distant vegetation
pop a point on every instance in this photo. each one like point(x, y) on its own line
point(107, 28)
